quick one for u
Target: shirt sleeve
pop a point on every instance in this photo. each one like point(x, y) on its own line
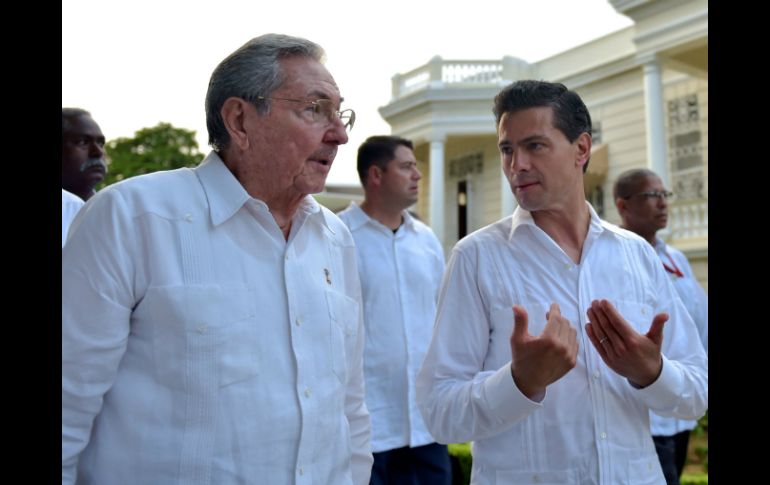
point(96, 310)
point(681, 390)
point(694, 297)
point(458, 399)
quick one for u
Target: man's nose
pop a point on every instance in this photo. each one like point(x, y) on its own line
point(95, 150)
point(336, 133)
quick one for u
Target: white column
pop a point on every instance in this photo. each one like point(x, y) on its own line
point(437, 184)
point(657, 159)
point(507, 200)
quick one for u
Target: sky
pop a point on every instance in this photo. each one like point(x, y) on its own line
point(136, 64)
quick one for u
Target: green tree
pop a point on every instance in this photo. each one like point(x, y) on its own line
point(162, 147)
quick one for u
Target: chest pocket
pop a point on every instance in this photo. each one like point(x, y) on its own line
point(202, 334)
point(343, 330)
point(638, 315)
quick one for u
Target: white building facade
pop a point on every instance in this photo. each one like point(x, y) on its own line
point(646, 87)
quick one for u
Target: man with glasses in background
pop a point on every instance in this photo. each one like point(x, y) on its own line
point(211, 317)
point(642, 202)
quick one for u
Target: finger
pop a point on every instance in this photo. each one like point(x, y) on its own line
point(554, 310)
point(656, 328)
point(520, 323)
point(603, 330)
point(619, 324)
point(594, 338)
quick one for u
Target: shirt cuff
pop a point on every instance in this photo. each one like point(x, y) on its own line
point(505, 400)
point(664, 392)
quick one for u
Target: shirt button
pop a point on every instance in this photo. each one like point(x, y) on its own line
point(536, 478)
point(644, 311)
point(301, 471)
point(596, 374)
point(286, 257)
point(603, 435)
point(202, 329)
point(188, 217)
point(298, 321)
point(307, 392)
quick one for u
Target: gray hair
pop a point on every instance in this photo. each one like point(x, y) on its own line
point(251, 71)
point(68, 114)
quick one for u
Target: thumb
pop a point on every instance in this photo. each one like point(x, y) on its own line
point(656, 328)
point(520, 322)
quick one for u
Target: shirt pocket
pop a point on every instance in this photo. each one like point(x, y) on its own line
point(202, 334)
point(343, 330)
point(638, 315)
point(645, 471)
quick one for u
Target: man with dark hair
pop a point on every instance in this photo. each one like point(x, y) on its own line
point(82, 153)
point(642, 202)
point(557, 389)
point(400, 262)
point(211, 317)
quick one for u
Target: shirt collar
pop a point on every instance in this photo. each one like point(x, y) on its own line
point(358, 218)
point(226, 195)
point(522, 217)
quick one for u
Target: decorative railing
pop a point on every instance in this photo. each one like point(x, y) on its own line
point(444, 73)
point(689, 219)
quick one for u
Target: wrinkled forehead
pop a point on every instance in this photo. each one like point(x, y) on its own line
point(306, 77)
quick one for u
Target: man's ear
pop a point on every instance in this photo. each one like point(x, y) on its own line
point(622, 206)
point(374, 175)
point(583, 152)
point(234, 116)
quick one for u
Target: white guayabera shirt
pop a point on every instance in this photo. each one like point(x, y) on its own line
point(400, 279)
point(200, 347)
point(697, 303)
point(591, 426)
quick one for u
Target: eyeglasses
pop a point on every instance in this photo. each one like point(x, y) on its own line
point(653, 194)
point(323, 110)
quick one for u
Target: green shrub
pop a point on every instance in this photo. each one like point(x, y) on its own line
point(694, 479)
point(462, 453)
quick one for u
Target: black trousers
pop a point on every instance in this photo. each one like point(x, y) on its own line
point(422, 465)
point(672, 453)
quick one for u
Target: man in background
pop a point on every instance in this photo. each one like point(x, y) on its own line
point(82, 153)
point(401, 263)
point(642, 202)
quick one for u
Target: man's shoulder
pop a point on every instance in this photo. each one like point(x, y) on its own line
point(155, 190)
point(497, 233)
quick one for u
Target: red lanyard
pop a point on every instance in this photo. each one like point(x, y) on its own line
point(675, 270)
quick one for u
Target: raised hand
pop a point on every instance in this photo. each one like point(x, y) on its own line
point(634, 356)
point(539, 361)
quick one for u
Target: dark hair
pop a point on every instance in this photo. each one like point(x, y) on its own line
point(68, 114)
point(570, 115)
point(378, 150)
point(251, 71)
point(628, 182)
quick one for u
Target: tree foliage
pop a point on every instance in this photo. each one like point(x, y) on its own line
point(162, 147)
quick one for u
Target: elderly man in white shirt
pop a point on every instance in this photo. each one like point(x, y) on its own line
point(70, 205)
point(558, 389)
point(642, 202)
point(211, 320)
point(401, 263)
